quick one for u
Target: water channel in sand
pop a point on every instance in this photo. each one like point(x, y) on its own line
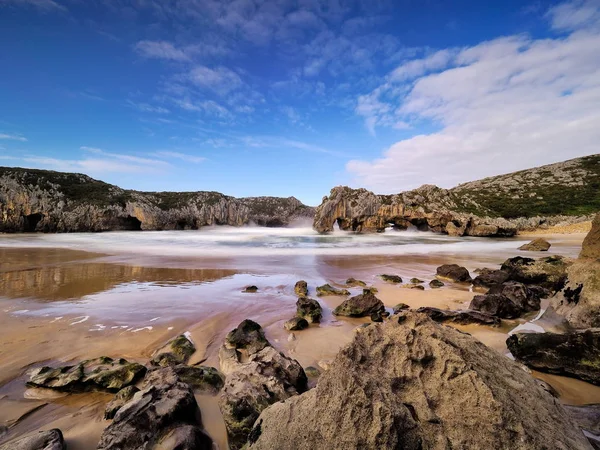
point(76, 296)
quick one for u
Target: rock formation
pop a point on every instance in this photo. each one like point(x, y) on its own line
point(418, 385)
point(496, 206)
point(461, 317)
point(537, 245)
point(591, 245)
point(41, 200)
point(453, 272)
point(309, 309)
point(508, 300)
point(363, 305)
point(42, 440)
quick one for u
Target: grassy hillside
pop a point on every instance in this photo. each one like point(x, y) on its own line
point(567, 188)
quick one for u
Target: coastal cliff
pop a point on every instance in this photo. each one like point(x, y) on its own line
point(566, 192)
point(46, 201)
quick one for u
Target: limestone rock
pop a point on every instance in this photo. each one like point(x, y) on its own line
point(295, 324)
point(549, 272)
point(327, 289)
point(42, 440)
point(453, 272)
point(579, 301)
point(177, 351)
point(460, 317)
point(150, 418)
point(416, 281)
point(204, 379)
point(537, 245)
point(309, 309)
point(104, 374)
point(122, 397)
point(362, 305)
point(301, 288)
point(591, 244)
point(575, 354)
point(418, 385)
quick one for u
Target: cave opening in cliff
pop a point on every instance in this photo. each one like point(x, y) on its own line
point(31, 221)
point(421, 224)
point(130, 223)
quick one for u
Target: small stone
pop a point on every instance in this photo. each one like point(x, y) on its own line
point(250, 289)
point(301, 288)
point(291, 337)
point(454, 272)
point(309, 309)
point(327, 289)
point(296, 323)
point(436, 284)
point(353, 282)
point(414, 286)
point(400, 307)
point(360, 306)
point(312, 372)
point(391, 278)
point(537, 245)
point(416, 281)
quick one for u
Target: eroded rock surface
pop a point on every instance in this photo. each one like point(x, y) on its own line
point(363, 305)
point(418, 385)
point(591, 244)
point(537, 245)
point(461, 317)
point(575, 354)
point(508, 300)
point(549, 272)
point(309, 309)
point(327, 289)
point(42, 440)
point(453, 272)
point(301, 288)
point(177, 351)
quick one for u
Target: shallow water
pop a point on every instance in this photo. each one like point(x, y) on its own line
point(73, 296)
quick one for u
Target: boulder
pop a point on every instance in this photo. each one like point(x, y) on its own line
point(327, 289)
point(255, 381)
point(362, 305)
point(436, 284)
point(579, 301)
point(460, 317)
point(591, 244)
point(122, 397)
point(309, 309)
point(395, 279)
point(42, 440)
point(301, 288)
point(549, 272)
point(488, 278)
point(353, 282)
point(248, 336)
point(295, 324)
point(575, 354)
point(100, 374)
point(418, 385)
point(454, 272)
point(418, 287)
point(160, 414)
point(177, 351)
point(508, 300)
point(537, 245)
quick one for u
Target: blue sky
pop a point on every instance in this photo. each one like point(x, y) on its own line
point(293, 97)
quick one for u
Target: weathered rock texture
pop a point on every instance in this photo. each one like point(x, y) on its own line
point(418, 385)
point(498, 206)
point(508, 300)
point(43, 440)
point(537, 245)
point(575, 354)
point(40, 200)
point(591, 243)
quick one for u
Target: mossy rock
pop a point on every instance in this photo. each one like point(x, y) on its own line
point(249, 335)
point(250, 289)
point(416, 281)
point(296, 324)
point(327, 289)
point(353, 282)
point(182, 348)
point(400, 307)
point(436, 284)
point(119, 400)
point(204, 379)
point(301, 288)
point(309, 309)
point(395, 279)
point(312, 372)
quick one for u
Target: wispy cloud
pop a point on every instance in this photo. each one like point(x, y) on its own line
point(161, 50)
point(287, 144)
point(13, 137)
point(146, 107)
point(125, 157)
point(181, 156)
point(42, 5)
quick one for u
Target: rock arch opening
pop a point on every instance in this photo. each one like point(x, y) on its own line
point(30, 222)
point(130, 223)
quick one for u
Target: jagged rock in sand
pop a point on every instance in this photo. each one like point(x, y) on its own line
point(309, 309)
point(453, 272)
point(395, 279)
point(362, 305)
point(301, 288)
point(255, 380)
point(488, 278)
point(295, 324)
point(248, 336)
point(591, 244)
point(575, 354)
point(103, 374)
point(42, 440)
point(163, 414)
point(508, 300)
point(418, 385)
point(537, 245)
point(353, 282)
point(461, 317)
point(327, 289)
point(549, 272)
point(400, 307)
point(41, 200)
point(436, 284)
point(177, 351)
point(579, 301)
point(121, 397)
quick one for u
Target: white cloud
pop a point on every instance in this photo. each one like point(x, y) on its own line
point(502, 105)
point(91, 166)
point(220, 80)
point(42, 5)
point(13, 137)
point(145, 107)
point(181, 156)
point(575, 15)
point(125, 157)
point(161, 50)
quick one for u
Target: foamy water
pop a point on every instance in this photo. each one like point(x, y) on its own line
point(253, 241)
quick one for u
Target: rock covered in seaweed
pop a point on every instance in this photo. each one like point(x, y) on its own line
point(309, 309)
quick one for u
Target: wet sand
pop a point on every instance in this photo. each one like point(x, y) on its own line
point(61, 306)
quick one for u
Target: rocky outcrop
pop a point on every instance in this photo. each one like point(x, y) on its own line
point(497, 206)
point(418, 385)
point(103, 374)
point(488, 278)
point(549, 272)
point(177, 351)
point(40, 200)
point(508, 300)
point(575, 354)
point(363, 305)
point(119, 400)
point(163, 414)
point(461, 317)
point(537, 245)
point(257, 376)
point(42, 440)
point(579, 301)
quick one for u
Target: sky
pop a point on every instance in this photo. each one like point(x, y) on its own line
point(294, 97)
